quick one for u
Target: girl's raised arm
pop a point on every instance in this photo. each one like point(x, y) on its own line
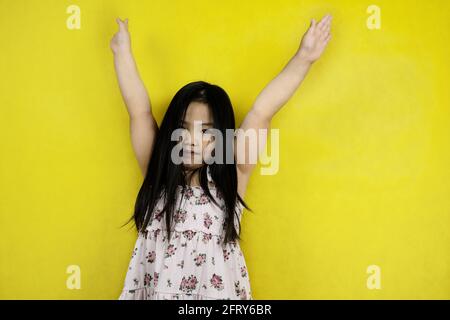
point(280, 90)
point(143, 127)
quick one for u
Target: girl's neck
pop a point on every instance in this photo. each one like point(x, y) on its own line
point(193, 178)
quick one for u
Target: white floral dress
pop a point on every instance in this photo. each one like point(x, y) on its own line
point(194, 264)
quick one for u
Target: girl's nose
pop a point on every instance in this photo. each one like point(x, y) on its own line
point(192, 140)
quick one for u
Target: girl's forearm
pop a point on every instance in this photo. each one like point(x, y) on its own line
point(131, 86)
point(282, 87)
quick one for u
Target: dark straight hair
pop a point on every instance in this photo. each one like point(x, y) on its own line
point(163, 176)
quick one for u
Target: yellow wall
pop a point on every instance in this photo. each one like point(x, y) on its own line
point(363, 178)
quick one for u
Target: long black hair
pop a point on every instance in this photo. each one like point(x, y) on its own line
point(164, 176)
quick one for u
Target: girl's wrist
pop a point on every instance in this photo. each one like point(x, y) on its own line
point(300, 64)
point(302, 59)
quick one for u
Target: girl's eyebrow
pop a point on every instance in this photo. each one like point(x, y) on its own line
point(204, 123)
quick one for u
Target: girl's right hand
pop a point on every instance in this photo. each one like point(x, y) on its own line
point(121, 41)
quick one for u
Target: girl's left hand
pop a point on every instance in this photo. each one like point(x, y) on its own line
point(315, 40)
point(121, 40)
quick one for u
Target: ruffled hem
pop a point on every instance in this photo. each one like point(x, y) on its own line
point(148, 293)
point(191, 259)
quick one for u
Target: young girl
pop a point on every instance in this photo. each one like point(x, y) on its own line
point(187, 214)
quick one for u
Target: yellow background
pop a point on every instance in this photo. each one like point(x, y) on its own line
point(364, 158)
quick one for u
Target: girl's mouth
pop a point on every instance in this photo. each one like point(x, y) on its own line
point(189, 152)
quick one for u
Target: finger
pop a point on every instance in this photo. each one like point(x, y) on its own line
point(325, 20)
point(126, 22)
point(313, 24)
point(326, 27)
point(122, 25)
point(322, 21)
point(328, 24)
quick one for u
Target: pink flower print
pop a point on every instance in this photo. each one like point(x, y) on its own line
point(243, 294)
point(226, 254)
point(243, 271)
point(170, 251)
point(180, 216)
point(134, 252)
point(203, 199)
point(155, 278)
point(216, 282)
point(201, 258)
point(189, 284)
point(156, 233)
point(147, 279)
point(207, 221)
point(151, 256)
point(240, 292)
point(206, 237)
point(158, 214)
point(189, 234)
point(188, 192)
point(236, 287)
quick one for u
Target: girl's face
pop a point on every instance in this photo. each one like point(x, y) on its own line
point(196, 139)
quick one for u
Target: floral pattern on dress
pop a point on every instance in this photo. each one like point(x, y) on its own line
point(189, 284)
point(243, 271)
point(203, 199)
point(158, 215)
point(189, 234)
point(216, 282)
point(207, 220)
point(151, 256)
point(147, 279)
point(180, 216)
point(194, 263)
point(240, 291)
point(170, 251)
point(200, 259)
